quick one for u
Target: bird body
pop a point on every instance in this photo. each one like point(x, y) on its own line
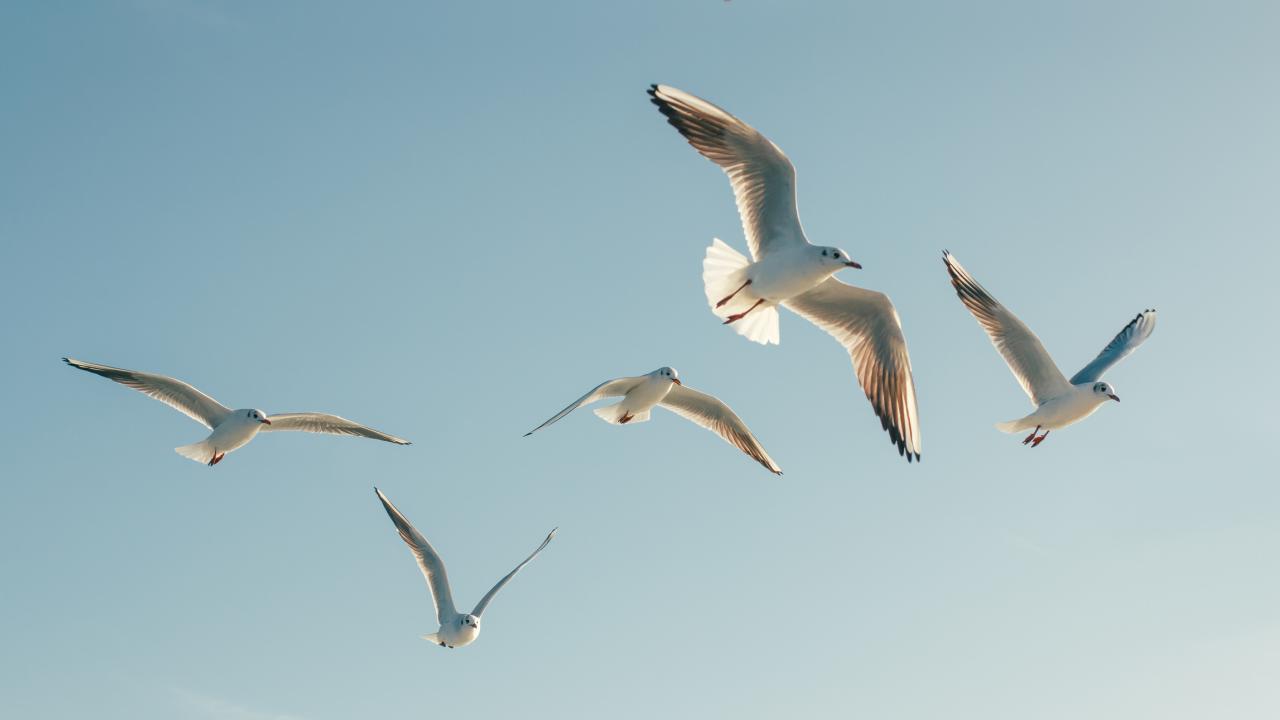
point(786, 269)
point(642, 393)
point(232, 429)
point(456, 629)
point(1059, 402)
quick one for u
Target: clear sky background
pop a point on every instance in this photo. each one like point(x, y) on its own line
point(448, 220)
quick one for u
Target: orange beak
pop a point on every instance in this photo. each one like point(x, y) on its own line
point(677, 381)
point(266, 421)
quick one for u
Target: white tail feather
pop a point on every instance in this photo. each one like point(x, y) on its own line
point(614, 413)
point(1014, 426)
point(201, 452)
point(432, 638)
point(724, 270)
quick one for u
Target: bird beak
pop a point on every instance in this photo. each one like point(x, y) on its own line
point(853, 264)
point(266, 421)
point(1113, 397)
point(677, 381)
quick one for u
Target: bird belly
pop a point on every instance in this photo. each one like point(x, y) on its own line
point(457, 637)
point(230, 436)
point(784, 276)
point(1065, 410)
point(644, 396)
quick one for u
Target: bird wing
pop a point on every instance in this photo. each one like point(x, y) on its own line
point(608, 388)
point(429, 561)
point(1128, 340)
point(484, 601)
point(866, 324)
point(174, 393)
point(328, 424)
point(1030, 362)
point(711, 413)
point(763, 179)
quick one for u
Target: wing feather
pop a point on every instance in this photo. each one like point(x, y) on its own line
point(172, 392)
point(327, 424)
point(763, 179)
point(711, 413)
point(1030, 362)
point(608, 388)
point(484, 601)
point(429, 561)
point(1120, 347)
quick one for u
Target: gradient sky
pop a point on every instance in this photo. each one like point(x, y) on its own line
point(449, 220)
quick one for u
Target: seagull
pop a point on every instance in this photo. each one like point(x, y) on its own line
point(232, 429)
point(785, 269)
point(456, 629)
point(1059, 402)
point(663, 387)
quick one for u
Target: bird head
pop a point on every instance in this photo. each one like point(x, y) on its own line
point(835, 258)
point(668, 373)
point(257, 415)
point(470, 620)
point(1105, 389)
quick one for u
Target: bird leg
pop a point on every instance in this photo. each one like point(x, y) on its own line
point(217, 458)
point(735, 292)
point(626, 418)
point(1032, 436)
point(1040, 439)
point(738, 316)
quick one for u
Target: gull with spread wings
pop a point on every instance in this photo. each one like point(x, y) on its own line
point(232, 429)
point(662, 387)
point(456, 629)
point(1059, 402)
point(785, 269)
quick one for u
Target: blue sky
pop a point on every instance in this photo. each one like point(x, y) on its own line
point(449, 220)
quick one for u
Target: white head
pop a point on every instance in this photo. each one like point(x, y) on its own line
point(252, 415)
point(1105, 390)
point(471, 621)
point(668, 373)
point(834, 258)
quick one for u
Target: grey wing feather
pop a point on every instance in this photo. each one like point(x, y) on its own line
point(327, 424)
point(1124, 343)
point(1022, 350)
point(608, 388)
point(170, 391)
point(488, 597)
point(867, 325)
point(428, 561)
point(711, 413)
point(763, 179)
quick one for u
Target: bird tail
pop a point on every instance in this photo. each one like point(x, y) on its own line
point(614, 413)
point(201, 452)
point(433, 638)
point(1014, 426)
point(724, 270)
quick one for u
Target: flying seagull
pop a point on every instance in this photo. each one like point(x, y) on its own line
point(663, 387)
point(1059, 402)
point(785, 269)
point(456, 629)
point(232, 429)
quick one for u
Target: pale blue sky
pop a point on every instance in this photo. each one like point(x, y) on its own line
point(450, 220)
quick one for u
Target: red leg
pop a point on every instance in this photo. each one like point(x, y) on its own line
point(738, 316)
point(217, 458)
point(1032, 436)
point(1040, 439)
point(735, 292)
point(626, 418)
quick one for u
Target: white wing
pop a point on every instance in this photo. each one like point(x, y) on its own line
point(174, 393)
point(1128, 340)
point(1027, 358)
point(712, 414)
point(608, 388)
point(763, 180)
point(328, 424)
point(866, 324)
point(428, 561)
point(484, 601)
